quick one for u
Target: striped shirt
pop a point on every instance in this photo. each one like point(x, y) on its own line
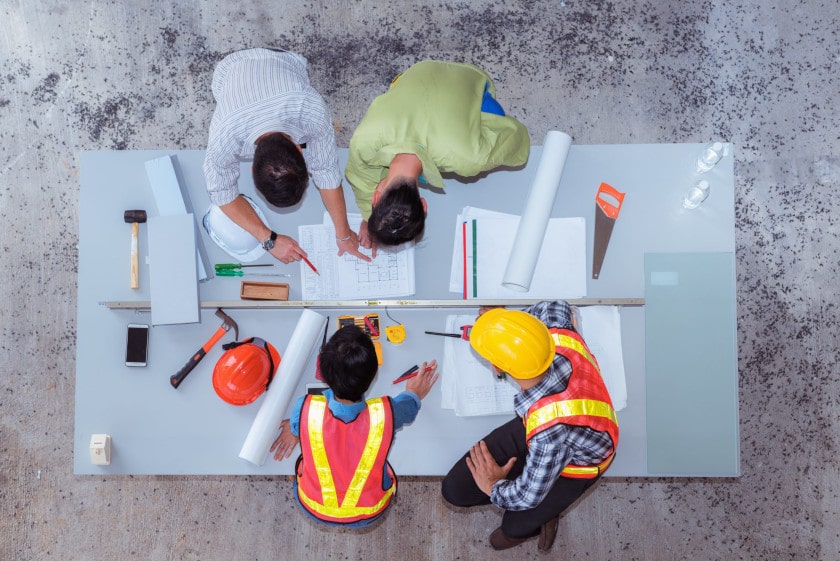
point(551, 450)
point(259, 91)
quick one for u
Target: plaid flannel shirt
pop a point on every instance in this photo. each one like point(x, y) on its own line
point(552, 449)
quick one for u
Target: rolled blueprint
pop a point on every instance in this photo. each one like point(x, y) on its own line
point(307, 334)
point(531, 231)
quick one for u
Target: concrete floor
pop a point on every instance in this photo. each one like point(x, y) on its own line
point(129, 75)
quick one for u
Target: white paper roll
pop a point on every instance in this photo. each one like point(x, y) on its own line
point(307, 334)
point(531, 231)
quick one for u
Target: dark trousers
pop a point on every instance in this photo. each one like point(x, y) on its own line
point(506, 442)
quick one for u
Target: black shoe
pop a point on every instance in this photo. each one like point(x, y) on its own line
point(499, 541)
point(547, 534)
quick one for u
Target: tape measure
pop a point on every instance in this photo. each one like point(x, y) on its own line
point(395, 333)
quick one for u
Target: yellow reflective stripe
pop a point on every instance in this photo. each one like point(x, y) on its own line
point(572, 343)
point(589, 470)
point(317, 407)
point(371, 451)
point(341, 512)
point(569, 408)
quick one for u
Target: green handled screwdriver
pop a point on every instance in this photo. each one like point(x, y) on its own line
point(235, 266)
point(236, 273)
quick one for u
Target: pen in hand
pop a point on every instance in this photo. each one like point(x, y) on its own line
point(408, 374)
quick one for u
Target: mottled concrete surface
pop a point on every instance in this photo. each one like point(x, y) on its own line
point(130, 75)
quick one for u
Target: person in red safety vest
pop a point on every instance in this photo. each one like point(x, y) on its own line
point(342, 476)
point(563, 437)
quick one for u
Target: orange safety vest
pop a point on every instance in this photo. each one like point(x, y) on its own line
point(340, 471)
point(585, 402)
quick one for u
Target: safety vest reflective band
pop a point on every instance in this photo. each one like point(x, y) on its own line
point(329, 486)
point(585, 401)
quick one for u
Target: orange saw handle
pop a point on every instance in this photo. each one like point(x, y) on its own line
point(176, 379)
point(610, 209)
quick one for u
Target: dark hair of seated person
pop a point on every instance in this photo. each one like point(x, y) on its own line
point(280, 172)
point(348, 363)
point(398, 216)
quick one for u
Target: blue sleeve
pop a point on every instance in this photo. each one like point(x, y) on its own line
point(406, 406)
point(294, 417)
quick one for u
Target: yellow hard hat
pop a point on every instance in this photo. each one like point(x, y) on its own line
point(515, 342)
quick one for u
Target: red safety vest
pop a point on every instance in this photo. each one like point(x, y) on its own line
point(585, 402)
point(340, 472)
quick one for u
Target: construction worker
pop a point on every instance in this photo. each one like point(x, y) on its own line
point(343, 476)
point(565, 433)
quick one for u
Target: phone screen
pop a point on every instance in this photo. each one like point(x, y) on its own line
point(136, 346)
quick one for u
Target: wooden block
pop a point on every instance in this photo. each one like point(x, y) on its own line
point(253, 290)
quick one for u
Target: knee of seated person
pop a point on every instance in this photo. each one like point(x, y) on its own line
point(452, 491)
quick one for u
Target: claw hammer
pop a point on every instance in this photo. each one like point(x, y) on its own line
point(227, 323)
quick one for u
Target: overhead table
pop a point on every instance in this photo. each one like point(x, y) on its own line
point(679, 348)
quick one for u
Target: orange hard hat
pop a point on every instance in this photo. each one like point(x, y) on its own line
point(244, 371)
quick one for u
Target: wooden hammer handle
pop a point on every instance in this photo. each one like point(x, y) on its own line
point(135, 273)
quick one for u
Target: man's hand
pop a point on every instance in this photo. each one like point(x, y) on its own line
point(425, 379)
point(285, 442)
point(484, 469)
point(351, 246)
point(286, 249)
point(365, 239)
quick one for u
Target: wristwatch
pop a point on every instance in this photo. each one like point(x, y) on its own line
point(268, 243)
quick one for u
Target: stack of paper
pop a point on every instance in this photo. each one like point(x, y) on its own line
point(468, 384)
point(483, 242)
point(470, 387)
point(348, 277)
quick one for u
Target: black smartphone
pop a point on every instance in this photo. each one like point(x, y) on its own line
point(136, 344)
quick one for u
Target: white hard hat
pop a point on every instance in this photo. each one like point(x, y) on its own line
point(231, 237)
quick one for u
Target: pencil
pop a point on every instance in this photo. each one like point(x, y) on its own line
point(311, 266)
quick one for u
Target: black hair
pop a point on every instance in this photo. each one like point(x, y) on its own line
point(398, 216)
point(348, 363)
point(280, 172)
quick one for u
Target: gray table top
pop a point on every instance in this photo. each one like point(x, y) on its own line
point(158, 430)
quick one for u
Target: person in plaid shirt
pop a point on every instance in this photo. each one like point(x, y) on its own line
point(539, 463)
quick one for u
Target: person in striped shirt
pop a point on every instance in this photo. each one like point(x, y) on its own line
point(267, 110)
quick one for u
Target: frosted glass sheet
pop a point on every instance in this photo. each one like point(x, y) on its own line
point(691, 357)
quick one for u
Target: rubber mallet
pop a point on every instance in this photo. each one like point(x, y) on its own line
point(135, 218)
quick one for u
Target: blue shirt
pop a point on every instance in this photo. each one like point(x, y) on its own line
point(406, 406)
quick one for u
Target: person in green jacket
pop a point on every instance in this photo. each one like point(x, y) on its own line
point(436, 117)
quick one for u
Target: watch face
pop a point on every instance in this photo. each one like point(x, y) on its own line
point(268, 244)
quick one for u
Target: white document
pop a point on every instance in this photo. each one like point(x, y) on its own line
point(280, 392)
point(531, 233)
point(172, 198)
point(601, 330)
point(348, 277)
point(483, 241)
point(469, 385)
point(173, 284)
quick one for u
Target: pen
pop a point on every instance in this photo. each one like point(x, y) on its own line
point(410, 373)
point(311, 266)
